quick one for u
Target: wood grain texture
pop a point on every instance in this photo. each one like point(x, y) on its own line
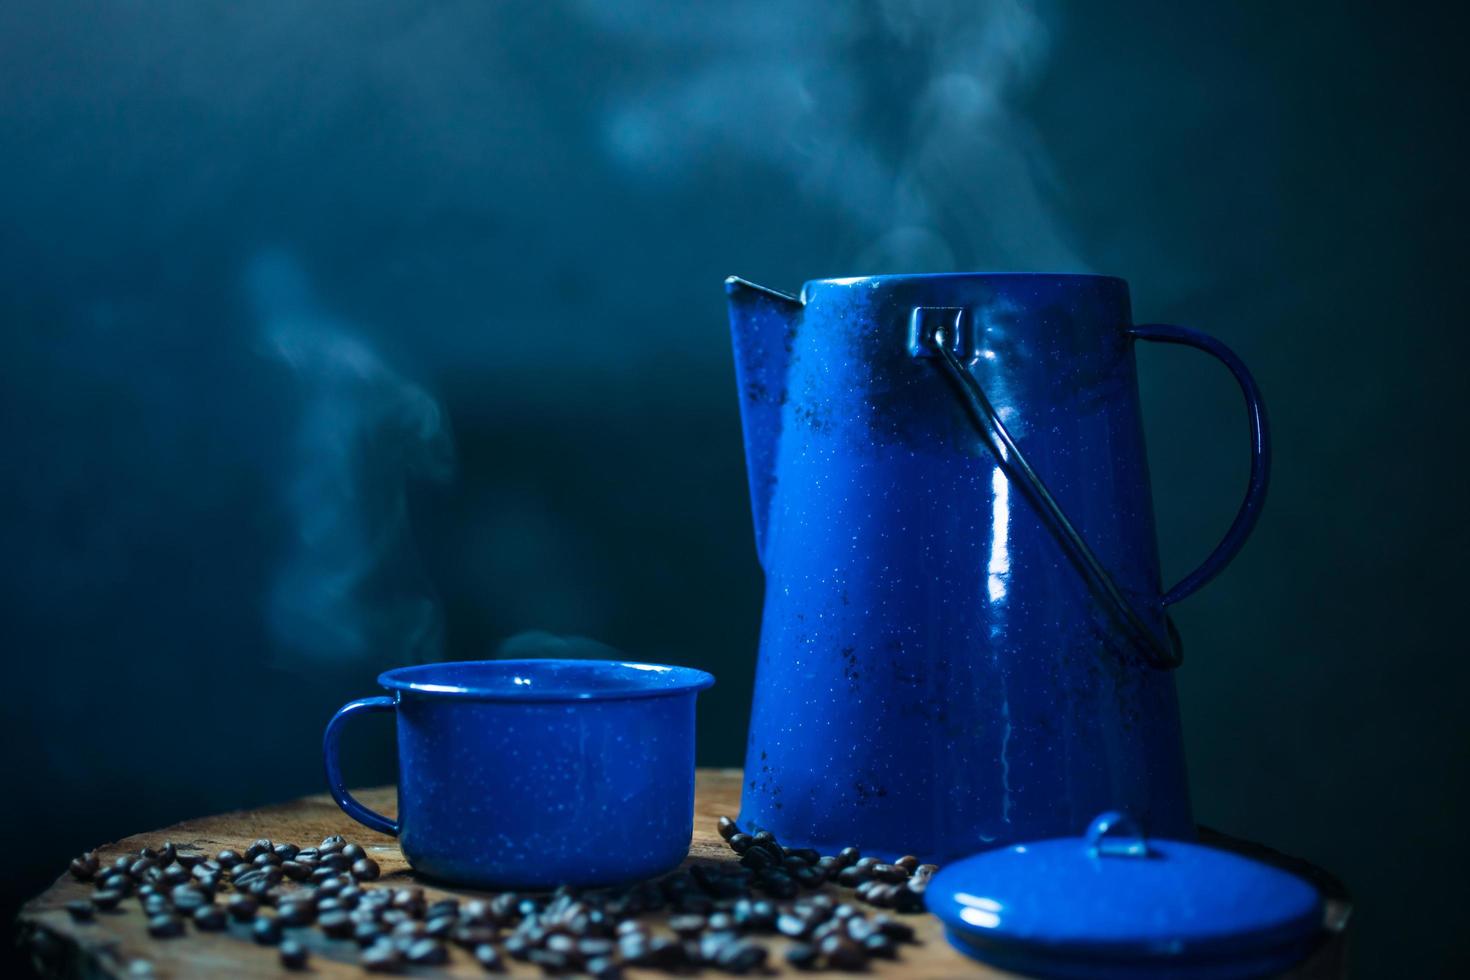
point(117, 944)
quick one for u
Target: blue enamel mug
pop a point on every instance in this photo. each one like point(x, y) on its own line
point(536, 773)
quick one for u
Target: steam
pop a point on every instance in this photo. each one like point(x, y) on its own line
point(350, 586)
point(900, 115)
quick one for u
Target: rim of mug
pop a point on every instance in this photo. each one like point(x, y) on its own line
point(678, 680)
point(931, 276)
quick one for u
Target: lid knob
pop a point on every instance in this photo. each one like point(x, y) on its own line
point(1116, 834)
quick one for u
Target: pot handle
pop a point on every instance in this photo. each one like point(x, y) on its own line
point(1260, 477)
point(1163, 652)
point(335, 782)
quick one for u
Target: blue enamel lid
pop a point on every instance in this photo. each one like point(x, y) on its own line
point(1068, 906)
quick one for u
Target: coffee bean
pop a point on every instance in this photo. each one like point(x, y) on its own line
point(228, 858)
point(188, 861)
point(878, 944)
point(241, 907)
point(427, 952)
point(366, 933)
point(331, 844)
point(286, 852)
point(740, 843)
point(517, 947)
point(741, 956)
point(106, 898)
point(809, 877)
point(167, 854)
point(365, 869)
point(603, 968)
point(842, 953)
point(117, 882)
point(265, 859)
point(349, 896)
point(440, 927)
point(295, 870)
point(890, 872)
point(84, 868)
point(266, 931)
point(380, 957)
point(261, 890)
point(296, 913)
point(210, 918)
point(336, 861)
point(156, 905)
point(489, 960)
point(908, 862)
point(175, 874)
point(165, 926)
point(727, 827)
point(687, 925)
point(141, 865)
point(80, 910)
point(353, 852)
point(293, 955)
point(187, 898)
point(255, 850)
point(894, 929)
point(851, 877)
point(271, 874)
point(331, 883)
point(792, 925)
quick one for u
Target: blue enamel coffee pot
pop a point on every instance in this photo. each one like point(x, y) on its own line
point(965, 642)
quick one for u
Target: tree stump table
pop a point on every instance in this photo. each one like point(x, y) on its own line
point(117, 944)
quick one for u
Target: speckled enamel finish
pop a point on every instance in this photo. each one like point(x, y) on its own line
point(1112, 905)
point(934, 676)
point(535, 773)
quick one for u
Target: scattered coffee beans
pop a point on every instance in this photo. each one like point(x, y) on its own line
point(165, 926)
point(712, 915)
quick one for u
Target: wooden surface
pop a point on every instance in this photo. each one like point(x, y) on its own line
point(117, 944)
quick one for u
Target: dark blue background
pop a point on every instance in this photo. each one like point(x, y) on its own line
point(343, 334)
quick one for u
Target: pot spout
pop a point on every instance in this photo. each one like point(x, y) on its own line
point(762, 325)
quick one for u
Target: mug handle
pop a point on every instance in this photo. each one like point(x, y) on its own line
point(1260, 477)
point(348, 803)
